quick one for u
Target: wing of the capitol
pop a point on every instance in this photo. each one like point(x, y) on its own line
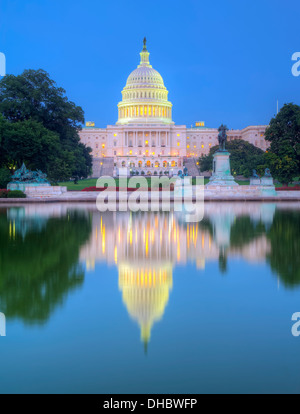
point(145, 139)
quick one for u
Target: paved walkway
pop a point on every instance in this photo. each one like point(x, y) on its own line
point(82, 196)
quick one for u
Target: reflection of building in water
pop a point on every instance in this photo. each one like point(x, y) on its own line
point(147, 246)
point(145, 293)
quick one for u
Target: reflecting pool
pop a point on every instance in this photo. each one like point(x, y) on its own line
point(147, 303)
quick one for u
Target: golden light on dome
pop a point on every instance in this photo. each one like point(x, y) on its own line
point(103, 239)
point(145, 292)
point(116, 255)
point(144, 96)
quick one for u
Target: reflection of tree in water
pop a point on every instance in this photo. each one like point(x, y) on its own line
point(244, 230)
point(283, 232)
point(223, 261)
point(284, 236)
point(40, 268)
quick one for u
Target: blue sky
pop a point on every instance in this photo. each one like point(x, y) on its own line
point(222, 61)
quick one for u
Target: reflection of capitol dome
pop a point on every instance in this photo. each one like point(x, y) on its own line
point(145, 294)
point(145, 97)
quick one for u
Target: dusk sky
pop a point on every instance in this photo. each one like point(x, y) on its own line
point(221, 61)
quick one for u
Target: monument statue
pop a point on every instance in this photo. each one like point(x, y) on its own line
point(23, 175)
point(268, 172)
point(184, 173)
point(222, 137)
point(254, 174)
point(221, 175)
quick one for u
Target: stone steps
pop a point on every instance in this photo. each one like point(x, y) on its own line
point(190, 164)
point(103, 166)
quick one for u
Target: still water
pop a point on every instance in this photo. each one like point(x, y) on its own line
point(147, 303)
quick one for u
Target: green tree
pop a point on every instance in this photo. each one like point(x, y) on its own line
point(284, 237)
point(244, 157)
point(5, 177)
point(283, 134)
point(34, 97)
point(30, 142)
point(284, 168)
point(39, 262)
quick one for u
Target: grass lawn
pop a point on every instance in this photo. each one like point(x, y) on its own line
point(91, 182)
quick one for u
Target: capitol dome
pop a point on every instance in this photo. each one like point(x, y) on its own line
point(145, 97)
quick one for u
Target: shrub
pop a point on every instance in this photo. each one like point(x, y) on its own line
point(4, 193)
point(295, 188)
point(5, 177)
point(16, 194)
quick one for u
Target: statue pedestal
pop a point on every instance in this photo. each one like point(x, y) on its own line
point(268, 187)
point(21, 186)
point(268, 181)
point(265, 185)
point(221, 170)
point(255, 181)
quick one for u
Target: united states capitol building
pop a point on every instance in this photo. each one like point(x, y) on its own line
point(145, 139)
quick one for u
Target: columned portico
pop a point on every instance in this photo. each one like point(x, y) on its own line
point(145, 138)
